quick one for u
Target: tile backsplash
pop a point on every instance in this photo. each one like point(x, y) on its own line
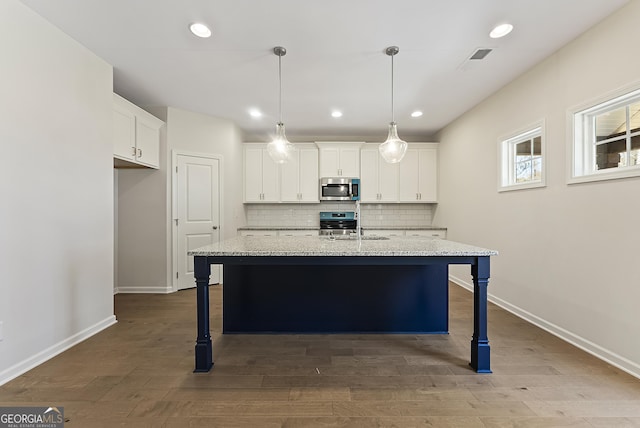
point(307, 215)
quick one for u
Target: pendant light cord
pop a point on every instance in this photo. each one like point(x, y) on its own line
point(393, 119)
point(280, 84)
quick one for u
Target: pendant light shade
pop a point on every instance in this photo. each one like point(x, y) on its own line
point(280, 149)
point(393, 149)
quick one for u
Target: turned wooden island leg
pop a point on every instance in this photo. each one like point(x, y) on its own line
point(480, 351)
point(204, 349)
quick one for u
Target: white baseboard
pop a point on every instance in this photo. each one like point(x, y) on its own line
point(592, 348)
point(145, 290)
point(26, 365)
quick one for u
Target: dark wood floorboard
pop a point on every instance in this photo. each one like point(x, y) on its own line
point(138, 373)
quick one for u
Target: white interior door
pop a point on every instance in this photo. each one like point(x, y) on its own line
point(198, 213)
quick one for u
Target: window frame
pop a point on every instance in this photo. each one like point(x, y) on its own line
point(581, 147)
point(506, 157)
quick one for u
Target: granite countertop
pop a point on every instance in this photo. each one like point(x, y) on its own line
point(244, 246)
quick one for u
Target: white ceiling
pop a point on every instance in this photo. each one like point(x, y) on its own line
point(335, 56)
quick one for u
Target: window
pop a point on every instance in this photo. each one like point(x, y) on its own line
point(522, 160)
point(606, 139)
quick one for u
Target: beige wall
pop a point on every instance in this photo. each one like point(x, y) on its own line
point(56, 182)
point(568, 253)
point(200, 133)
point(144, 256)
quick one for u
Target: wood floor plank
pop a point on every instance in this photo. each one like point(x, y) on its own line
point(139, 373)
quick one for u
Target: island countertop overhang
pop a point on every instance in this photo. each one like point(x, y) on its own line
point(313, 246)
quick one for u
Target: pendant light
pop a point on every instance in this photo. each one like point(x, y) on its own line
point(280, 149)
point(393, 149)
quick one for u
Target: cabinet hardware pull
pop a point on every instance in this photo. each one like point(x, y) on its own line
point(134, 151)
point(215, 227)
point(139, 153)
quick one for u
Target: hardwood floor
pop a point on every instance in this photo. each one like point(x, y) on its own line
point(138, 373)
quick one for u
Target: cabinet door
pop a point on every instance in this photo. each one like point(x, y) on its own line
point(369, 175)
point(428, 175)
point(329, 161)
point(409, 170)
point(384, 232)
point(308, 175)
point(435, 233)
point(258, 233)
point(387, 180)
point(270, 182)
point(349, 162)
point(298, 233)
point(253, 174)
point(289, 174)
point(147, 143)
point(124, 134)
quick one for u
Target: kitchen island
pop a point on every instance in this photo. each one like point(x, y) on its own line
point(323, 285)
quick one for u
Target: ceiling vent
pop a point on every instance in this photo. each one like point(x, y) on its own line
point(473, 61)
point(480, 54)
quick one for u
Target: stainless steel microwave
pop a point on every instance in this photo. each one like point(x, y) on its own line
point(339, 189)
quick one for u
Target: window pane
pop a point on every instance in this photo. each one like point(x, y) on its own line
point(537, 169)
point(523, 151)
point(611, 155)
point(634, 117)
point(611, 124)
point(635, 150)
point(537, 146)
point(523, 172)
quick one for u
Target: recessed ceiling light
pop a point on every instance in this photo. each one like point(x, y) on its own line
point(336, 113)
point(500, 31)
point(416, 113)
point(200, 30)
point(255, 113)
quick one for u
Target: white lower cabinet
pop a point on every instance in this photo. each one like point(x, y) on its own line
point(430, 233)
point(258, 233)
point(298, 233)
point(383, 232)
point(274, 232)
point(435, 233)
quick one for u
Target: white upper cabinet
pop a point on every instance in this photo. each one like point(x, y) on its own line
point(293, 181)
point(378, 179)
point(419, 173)
point(339, 159)
point(260, 175)
point(299, 176)
point(136, 135)
point(369, 175)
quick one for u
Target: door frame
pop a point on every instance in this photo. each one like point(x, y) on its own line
point(174, 205)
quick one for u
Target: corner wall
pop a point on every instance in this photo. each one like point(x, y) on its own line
point(568, 253)
point(199, 133)
point(56, 214)
point(144, 198)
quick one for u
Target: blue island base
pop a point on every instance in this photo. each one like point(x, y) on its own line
point(311, 298)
